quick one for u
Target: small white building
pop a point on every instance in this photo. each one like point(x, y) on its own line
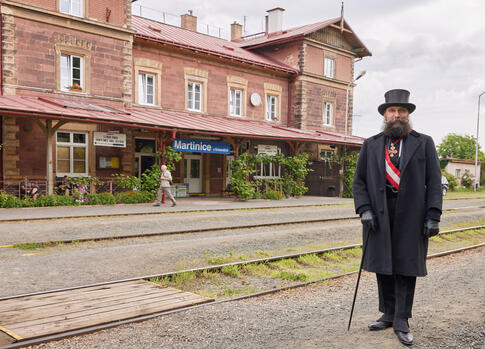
point(457, 167)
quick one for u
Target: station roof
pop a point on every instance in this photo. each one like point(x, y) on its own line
point(169, 34)
point(163, 120)
point(300, 32)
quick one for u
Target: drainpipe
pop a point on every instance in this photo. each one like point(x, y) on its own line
point(1, 55)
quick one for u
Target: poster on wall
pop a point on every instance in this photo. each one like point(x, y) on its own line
point(109, 139)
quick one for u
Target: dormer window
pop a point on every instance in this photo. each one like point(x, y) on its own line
point(71, 7)
point(329, 67)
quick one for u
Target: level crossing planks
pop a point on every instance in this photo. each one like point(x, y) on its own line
point(56, 312)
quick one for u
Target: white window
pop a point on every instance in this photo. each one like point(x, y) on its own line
point(194, 98)
point(71, 72)
point(268, 170)
point(72, 7)
point(235, 102)
point(72, 154)
point(458, 173)
point(271, 107)
point(327, 113)
point(329, 67)
point(146, 89)
point(326, 155)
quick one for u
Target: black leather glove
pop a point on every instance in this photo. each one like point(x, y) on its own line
point(431, 228)
point(368, 220)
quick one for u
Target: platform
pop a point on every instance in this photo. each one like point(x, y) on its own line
point(60, 311)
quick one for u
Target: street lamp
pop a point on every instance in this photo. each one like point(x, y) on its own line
point(475, 187)
point(361, 74)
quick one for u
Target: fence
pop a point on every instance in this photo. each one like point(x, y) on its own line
point(106, 185)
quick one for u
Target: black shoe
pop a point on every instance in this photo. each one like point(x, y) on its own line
point(174, 204)
point(379, 325)
point(405, 338)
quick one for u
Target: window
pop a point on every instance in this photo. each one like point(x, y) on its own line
point(268, 170)
point(329, 67)
point(326, 155)
point(146, 89)
point(235, 102)
point(72, 153)
point(72, 7)
point(271, 108)
point(457, 173)
point(194, 96)
point(71, 72)
point(327, 113)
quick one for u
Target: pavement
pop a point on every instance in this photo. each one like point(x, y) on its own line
point(190, 204)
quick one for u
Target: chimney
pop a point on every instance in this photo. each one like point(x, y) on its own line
point(188, 21)
point(274, 20)
point(236, 31)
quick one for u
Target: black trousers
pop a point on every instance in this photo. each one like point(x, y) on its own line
point(396, 292)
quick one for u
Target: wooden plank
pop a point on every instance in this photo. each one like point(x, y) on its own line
point(62, 325)
point(77, 294)
point(65, 301)
point(72, 307)
point(88, 310)
point(5, 339)
point(36, 332)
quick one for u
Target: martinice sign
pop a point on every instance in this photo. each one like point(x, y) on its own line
point(194, 146)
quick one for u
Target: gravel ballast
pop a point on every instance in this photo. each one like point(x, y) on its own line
point(448, 313)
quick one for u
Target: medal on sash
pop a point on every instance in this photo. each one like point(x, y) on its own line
point(393, 175)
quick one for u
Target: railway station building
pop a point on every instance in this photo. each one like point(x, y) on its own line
point(89, 89)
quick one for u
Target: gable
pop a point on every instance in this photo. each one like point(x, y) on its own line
point(331, 36)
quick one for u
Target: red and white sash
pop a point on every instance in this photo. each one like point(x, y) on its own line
point(393, 175)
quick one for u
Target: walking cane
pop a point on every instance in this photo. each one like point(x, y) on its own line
point(364, 247)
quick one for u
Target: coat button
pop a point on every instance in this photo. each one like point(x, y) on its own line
point(381, 189)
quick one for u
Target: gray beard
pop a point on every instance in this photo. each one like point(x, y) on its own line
point(396, 129)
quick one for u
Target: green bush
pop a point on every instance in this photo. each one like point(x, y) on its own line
point(100, 199)
point(274, 195)
point(452, 181)
point(467, 180)
point(294, 170)
point(134, 197)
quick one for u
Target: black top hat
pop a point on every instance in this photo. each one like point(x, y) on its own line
point(399, 98)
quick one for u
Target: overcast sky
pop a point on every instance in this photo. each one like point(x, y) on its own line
point(434, 48)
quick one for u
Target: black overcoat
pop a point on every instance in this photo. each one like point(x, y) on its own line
point(402, 249)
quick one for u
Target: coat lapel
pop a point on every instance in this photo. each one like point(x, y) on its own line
point(411, 144)
point(378, 152)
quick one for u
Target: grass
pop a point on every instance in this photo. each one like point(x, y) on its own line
point(334, 256)
point(29, 246)
point(232, 271)
point(310, 259)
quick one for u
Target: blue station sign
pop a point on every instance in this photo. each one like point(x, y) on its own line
point(195, 146)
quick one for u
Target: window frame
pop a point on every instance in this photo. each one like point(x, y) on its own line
point(71, 68)
point(233, 108)
point(142, 90)
point(194, 84)
point(71, 144)
point(82, 5)
point(331, 118)
point(196, 76)
point(326, 73)
point(148, 66)
point(269, 104)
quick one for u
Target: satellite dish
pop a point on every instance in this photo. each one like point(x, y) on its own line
point(255, 99)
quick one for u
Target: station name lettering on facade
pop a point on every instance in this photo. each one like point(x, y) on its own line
point(190, 145)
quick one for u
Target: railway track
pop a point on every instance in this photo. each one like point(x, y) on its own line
point(50, 243)
point(212, 268)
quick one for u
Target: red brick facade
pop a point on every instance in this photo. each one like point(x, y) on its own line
point(112, 59)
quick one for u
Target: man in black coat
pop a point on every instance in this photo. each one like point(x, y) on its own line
point(397, 193)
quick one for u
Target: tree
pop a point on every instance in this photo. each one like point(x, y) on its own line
point(459, 147)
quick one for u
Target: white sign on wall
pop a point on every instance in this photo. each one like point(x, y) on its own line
point(265, 149)
point(107, 139)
